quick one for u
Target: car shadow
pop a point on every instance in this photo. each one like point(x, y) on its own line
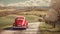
point(11, 28)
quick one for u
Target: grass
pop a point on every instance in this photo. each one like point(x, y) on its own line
point(48, 32)
point(9, 20)
point(48, 29)
point(30, 17)
point(44, 26)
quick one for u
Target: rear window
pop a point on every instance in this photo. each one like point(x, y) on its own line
point(20, 18)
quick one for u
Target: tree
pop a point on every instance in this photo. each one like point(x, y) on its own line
point(53, 15)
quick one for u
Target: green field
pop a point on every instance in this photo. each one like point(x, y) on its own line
point(48, 29)
point(31, 16)
point(9, 19)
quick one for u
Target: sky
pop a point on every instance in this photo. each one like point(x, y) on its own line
point(25, 2)
point(11, 1)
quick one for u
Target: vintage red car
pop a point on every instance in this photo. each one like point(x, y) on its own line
point(20, 22)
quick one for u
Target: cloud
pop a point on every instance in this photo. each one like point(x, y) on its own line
point(2, 5)
point(32, 3)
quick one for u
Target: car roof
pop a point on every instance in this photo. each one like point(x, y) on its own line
point(20, 17)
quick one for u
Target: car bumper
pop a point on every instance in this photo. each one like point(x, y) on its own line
point(19, 27)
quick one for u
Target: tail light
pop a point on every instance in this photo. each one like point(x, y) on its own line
point(14, 24)
point(24, 24)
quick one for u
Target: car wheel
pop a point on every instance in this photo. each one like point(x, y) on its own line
point(24, 28)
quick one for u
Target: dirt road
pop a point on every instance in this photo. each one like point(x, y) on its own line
point(32, 29)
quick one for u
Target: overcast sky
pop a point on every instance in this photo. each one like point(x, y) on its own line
point(11, 1)
point(24, 2)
